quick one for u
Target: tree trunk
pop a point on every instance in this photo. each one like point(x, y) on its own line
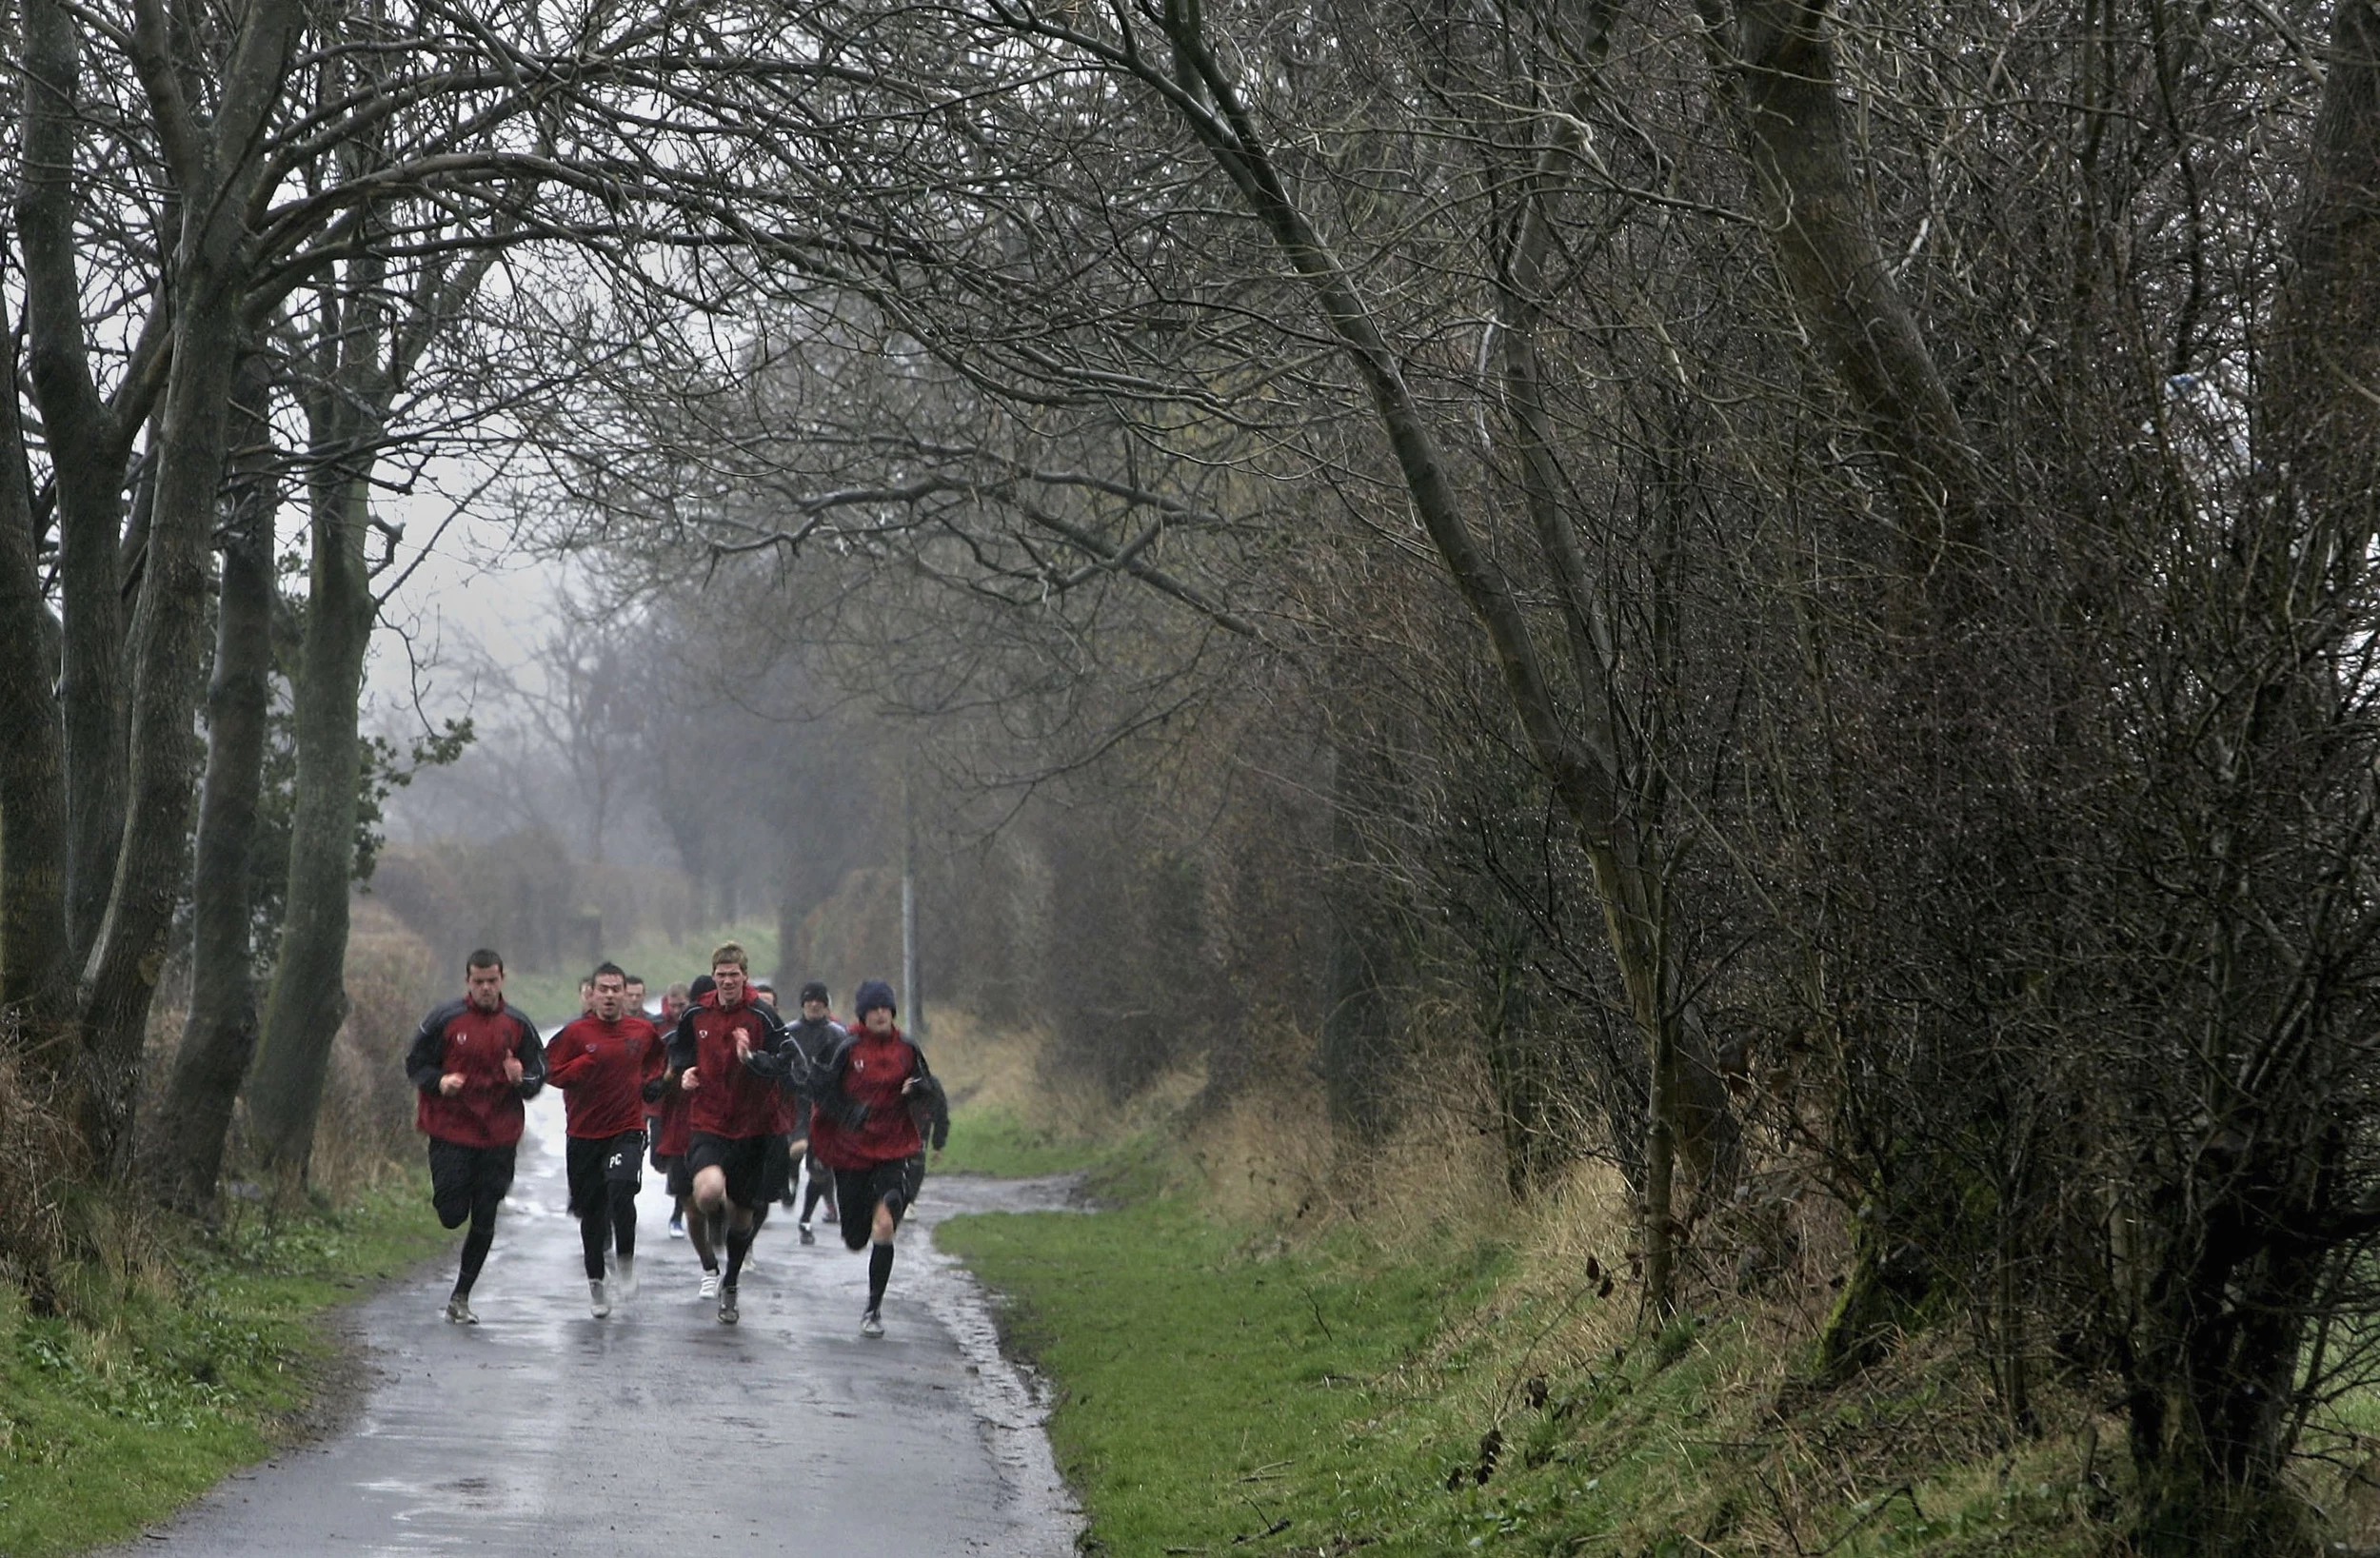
point(34, 966)
point(2216, 1380)
point(1778, 61)
point(216, 170)
point(221, 1033)
point(308, 1000)
point(1615, 826)
point(168, 637)
point(88, 449)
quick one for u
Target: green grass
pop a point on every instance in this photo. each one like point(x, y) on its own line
point(1222, 1391)
point(157, 1377)
point(1209, 1395)
point(988, 1141)
point(551, 997)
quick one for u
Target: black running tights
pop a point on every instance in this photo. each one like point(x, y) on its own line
point(476, 1242)
point(612, 1224)
point(821, 1186)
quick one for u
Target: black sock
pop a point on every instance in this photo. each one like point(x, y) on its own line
point(476, 1243)
point(624, 1220)
point(715, 1223)
point(812, 1194)
point(591, 1236)
point(739, 1245)
point(879, 1271)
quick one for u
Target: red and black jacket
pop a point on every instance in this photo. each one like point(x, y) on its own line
point(863, 1116)
point(602, 1068)
point(731, 1100)
point(460, 1037)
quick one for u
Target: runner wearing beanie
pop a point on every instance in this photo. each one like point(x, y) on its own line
point(877, 1105)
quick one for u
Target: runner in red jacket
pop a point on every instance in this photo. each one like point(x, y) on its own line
point(877, 1104)
point(732, 1112)
point(605, 1063)
point(473, 1062)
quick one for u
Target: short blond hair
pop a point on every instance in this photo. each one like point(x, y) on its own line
point(731, 952)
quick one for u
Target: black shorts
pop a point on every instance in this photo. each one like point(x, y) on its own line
point(460, 1176)
point(596, 1161)
point(777, 1174)
point(858, 1191)
point(744, 1159)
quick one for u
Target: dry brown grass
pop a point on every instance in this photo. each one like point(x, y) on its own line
point(34, 1143)
point(1004, 1071)
point(366, 1127)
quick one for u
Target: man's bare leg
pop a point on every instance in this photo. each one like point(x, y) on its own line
point(710, 1200)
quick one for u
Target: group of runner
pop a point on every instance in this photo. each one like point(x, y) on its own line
point(725, 1096)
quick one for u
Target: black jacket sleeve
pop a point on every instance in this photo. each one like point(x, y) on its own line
point(530, 1051)
point(425, 1058)
point(778, 1054)
point(681, 1042)
point(826, 1087)
point(929, 1105)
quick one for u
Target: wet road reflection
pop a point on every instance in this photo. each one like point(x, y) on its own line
point(657, 1430)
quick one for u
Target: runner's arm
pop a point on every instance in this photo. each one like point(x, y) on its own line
point(682, 1045)
point(425, 1058)
point(565, 1058)
point(826, 1089)
point(531, 1053)
point(653, 1074)
point(929, 1104)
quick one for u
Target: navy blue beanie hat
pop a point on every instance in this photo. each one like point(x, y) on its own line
point(703, 984)
point(873, 994)
point(814, 991)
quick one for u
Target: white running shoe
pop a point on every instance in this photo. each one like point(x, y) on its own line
point(808, 1237)
point(459, 1311)
point(710, 1285)
point(871, 1324)
point(598, 1298)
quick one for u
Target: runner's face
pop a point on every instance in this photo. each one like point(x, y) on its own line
point(730, 981)
point(636, 995)
point(815, 1011)
point(486, 986)
point(610, 996)
point(880, 1020)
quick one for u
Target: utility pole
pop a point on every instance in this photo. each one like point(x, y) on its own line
point(910, 993)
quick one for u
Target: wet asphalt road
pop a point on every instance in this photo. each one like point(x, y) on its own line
point(659, 1431)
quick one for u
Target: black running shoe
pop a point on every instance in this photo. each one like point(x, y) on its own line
point(727, 1303)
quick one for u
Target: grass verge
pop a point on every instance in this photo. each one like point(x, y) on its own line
point(177, 1355)
point(993, 1141)
point(1221, 1390)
